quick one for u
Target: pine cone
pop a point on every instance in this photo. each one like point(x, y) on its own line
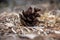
point(29, 17)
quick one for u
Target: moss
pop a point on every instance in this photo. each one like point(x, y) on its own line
point(3, 4)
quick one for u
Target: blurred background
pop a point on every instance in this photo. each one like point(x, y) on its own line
point(11, 4)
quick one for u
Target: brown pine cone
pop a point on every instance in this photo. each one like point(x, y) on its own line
point(29, 17)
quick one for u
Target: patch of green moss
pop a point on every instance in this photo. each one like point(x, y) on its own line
point(3, 5)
